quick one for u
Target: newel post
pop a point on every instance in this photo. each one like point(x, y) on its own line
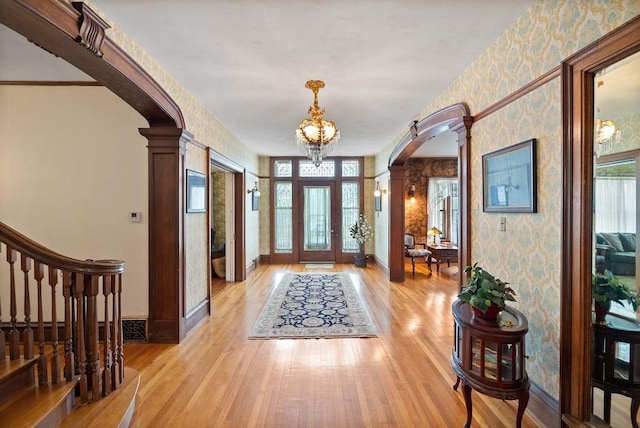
point(167, 148)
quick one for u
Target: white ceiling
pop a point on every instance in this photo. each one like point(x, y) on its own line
point(247, 60)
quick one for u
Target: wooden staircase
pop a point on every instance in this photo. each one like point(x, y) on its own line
point(26, 404)
point(64, 366)
point(23, 403)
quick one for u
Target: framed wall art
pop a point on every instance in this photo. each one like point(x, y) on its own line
point(509, 179)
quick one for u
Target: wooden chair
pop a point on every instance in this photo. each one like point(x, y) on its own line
point(410, 250)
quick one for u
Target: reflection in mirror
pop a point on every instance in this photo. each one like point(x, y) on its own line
point(615, 224)
point(616, 364)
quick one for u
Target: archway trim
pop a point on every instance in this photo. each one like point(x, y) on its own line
point(420, 131)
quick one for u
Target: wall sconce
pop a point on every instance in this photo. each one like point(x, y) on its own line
point(255, 197)
point(412, 193)
point(377, 197)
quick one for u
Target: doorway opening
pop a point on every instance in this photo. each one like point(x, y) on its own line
point(226, 218)
point(313, 209)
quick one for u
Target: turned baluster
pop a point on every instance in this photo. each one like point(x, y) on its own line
point(27, 334)
point(3, 354)
point(117, 321)
point(107, 287)
point(81, 353)
point(13, 336)
point(91, 291)
point(38, 272)
point(69, 368)
point(55, 357)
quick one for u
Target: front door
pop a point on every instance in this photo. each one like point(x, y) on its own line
point(318, 222)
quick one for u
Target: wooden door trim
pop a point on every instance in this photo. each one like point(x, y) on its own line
point(577, 230)
point(239, 209)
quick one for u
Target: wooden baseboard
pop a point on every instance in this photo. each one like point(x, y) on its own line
point(265, 258)
point(197, 314)
point(384, 267)
point(543, 408)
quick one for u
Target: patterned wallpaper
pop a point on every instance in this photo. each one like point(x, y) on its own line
point(533, 45)
point(218, 220)
point(265, 206)
point(532, 240)
point(197, 254)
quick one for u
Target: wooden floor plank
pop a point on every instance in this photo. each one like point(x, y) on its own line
point(402, 378)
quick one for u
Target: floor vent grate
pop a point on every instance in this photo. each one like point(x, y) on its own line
point(134, 330)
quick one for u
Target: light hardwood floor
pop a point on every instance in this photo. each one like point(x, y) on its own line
point(402, 378)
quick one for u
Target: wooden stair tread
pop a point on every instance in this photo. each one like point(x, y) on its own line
point(114, 410)
point(9, 367)
point(35, 404)
point(15, 375)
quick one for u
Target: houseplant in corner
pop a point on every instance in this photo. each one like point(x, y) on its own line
point(607, 288)
point(361, 232)
point(486, 294)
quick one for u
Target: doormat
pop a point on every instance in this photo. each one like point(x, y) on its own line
point(313, 305)
point(319, 266)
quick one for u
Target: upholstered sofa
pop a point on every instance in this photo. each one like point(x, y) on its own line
point(619, 251)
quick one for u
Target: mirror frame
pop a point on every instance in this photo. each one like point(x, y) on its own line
point(578, 73)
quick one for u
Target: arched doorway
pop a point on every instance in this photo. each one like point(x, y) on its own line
point(454, 118)
point(76, 34)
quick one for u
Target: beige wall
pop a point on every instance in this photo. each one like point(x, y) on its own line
point(535, 44)
point(69, 177)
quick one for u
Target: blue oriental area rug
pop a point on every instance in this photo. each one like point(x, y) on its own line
point(313, 305)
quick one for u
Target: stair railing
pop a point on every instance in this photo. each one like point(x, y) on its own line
point(75, 289)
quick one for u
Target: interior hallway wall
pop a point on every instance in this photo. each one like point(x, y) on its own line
point(69, 178)
point(535, 44)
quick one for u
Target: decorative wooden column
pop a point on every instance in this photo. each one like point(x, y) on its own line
point(462, 128)
point(167, 147)
point(396, 223)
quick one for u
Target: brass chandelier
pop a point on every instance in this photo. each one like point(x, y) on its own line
point(316, 136)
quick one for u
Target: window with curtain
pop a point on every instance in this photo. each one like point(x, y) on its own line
point(615, 209)
point(443, 207)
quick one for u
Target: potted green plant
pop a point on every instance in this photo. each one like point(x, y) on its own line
point(486, 294)
point(607, 288)
point(361, 232)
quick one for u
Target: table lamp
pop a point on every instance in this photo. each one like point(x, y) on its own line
point(434, 232)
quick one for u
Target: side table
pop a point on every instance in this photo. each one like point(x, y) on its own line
point(441, 253)
point(489, 356)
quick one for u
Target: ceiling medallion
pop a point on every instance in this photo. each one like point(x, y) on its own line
point(316, 136)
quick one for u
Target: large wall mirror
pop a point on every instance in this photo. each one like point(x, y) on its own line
point(615, 379)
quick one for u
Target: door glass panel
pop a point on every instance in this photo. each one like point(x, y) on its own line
point(350, 168)
point(308, 169)
point(317, 218)
point(283, 217)
point(350, 212)
point(282, 168)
